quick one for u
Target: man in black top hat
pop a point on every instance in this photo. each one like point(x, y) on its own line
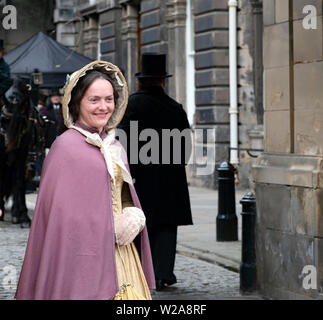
point(162, 188)
point(5, 80)
point(53, 111)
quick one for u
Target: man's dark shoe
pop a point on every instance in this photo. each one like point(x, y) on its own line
point(160, 285)
point(170, 282)
point(25, 224)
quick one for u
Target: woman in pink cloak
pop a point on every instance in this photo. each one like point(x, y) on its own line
point(88, 238)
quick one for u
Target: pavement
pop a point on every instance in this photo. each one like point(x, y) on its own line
point(199, 240)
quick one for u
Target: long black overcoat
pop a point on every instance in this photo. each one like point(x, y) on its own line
point(57, 127)
point(162, 188)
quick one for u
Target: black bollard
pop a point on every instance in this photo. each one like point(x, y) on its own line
point(226, 220)
point(248, 275)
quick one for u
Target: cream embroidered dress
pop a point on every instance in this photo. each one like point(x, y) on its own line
point(127, 259)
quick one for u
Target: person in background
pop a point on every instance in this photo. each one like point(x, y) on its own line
point(162, 188)
point(40, 105)
point(53, 111)
point(41, 132)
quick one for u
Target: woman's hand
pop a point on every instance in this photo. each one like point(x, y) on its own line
point(128, 224)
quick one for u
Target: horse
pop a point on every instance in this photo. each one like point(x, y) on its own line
point(18, 120)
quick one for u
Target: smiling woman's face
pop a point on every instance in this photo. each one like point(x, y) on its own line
point(97, 104)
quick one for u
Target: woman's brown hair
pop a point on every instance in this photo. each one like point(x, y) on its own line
point(81, 87)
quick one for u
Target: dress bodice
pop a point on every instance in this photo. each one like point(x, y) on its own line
point(121, 197)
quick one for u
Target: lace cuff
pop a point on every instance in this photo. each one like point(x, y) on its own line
point(136, 215)
point(128, 225)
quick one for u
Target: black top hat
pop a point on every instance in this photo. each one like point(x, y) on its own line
point(54, 92)
point(153, 65)
point(1, 44)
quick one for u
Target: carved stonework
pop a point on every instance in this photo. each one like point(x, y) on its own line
point(176, 24)
point(176, 13)
point(129, 36)
point(129, 22)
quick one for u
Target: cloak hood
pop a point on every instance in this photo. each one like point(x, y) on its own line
point(120, 85)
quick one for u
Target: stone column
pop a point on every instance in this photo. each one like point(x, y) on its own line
point(110, 31)
point(65, 21)
point(90, 40)
point(288, 175)
point(130, 24)
point(176, 21)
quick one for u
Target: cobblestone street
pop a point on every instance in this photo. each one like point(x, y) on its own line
point(200, 280)
point(13, 241)
point(196, 279)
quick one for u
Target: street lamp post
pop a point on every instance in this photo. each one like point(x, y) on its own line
point(37, 78)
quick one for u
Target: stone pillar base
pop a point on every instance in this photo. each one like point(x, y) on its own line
point(289, 227)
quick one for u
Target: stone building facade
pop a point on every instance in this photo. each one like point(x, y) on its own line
point(288, 175)
point(194, 35)
point(30, 17)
